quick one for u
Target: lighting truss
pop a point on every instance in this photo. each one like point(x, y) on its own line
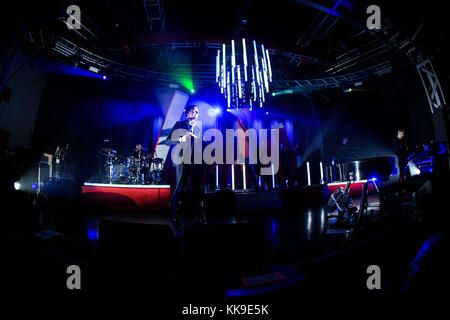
point(154, 13)
point(243, 73)
point(389, 38)
point(348, 79)
point(206, 74)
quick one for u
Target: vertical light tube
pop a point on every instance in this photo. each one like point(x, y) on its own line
point(224, 67)
point(256, 63)
point(239, 82)
point(264, 68)
point(244, 50)
point(273, 177)
point(217, 176)
point(228, 89)
point(232, 177)
point(309, 175)
point(358, 176)
point(259, 181)
point(218, 66)
point(243, 174)
point(253, 84)
point(268, 65)
point(263, 98)
point(321, 173)
point(233, 62)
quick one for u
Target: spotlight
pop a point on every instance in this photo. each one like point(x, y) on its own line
point(413, 170)
point(212, 112)
point(192, 90)
point(267, 112)
point(105, 78)
point(17, 185)
point(228, 110)
point(34, 186)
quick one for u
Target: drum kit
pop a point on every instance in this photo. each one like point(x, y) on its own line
point(137, 168)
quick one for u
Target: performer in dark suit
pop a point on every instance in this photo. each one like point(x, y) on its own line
point(402, 151)
point(184, 132)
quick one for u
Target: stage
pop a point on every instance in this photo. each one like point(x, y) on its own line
point(125, 196)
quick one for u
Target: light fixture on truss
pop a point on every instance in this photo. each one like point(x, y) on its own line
point(243, 73)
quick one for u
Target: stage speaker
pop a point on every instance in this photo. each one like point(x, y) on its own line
point(5, 94)
point(136, 247)
point(305, 196)
point(4, 139)
point(223, 248)
point(221, 203)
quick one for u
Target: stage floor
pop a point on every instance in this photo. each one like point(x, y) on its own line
point(290, 235)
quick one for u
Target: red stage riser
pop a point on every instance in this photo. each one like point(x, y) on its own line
point(355, 188)
point(126, 198)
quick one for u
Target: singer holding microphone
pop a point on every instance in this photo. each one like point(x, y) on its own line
point(182, 132)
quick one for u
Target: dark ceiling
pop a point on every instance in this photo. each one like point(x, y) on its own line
point(119, 30)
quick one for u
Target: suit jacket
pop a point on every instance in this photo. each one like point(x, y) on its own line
point(184, 127)
point(401, 149)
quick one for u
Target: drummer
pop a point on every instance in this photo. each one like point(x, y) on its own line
point(138, 147)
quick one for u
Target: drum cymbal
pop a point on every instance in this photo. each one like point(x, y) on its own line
point(107, 151)
point(157, 160)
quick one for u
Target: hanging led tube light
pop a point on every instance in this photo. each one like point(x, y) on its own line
point(218, 70)
point(245, 78)
point(244, 50)
point(268, 65)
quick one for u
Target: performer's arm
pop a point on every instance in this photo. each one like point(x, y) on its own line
point(174, 136)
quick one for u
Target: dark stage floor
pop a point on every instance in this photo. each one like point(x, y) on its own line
point(210, 262)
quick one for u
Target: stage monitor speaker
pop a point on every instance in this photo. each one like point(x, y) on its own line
point(303, 197)
point(136, 247)
point(5, 94)
point(215, 249)
point(4, 139)
point(221, 203)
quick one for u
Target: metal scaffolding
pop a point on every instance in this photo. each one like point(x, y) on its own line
point(155, 15)
point(388, 38)
point(205, 74)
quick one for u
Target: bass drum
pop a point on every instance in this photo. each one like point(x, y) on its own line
point(120, 174)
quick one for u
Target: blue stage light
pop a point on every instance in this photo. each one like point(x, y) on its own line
point(92, 234)
point(34, 186)
point(213, 112)
point(105, 78)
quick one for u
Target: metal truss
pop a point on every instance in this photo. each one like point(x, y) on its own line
point(154, 12)
point(345, 80)
point(322, 24)
point(389, 38)
point(205, 74)
point(431, 84)
point(71, 50)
